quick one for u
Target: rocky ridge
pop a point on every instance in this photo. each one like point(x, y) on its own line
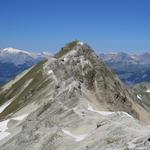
point(73, 101)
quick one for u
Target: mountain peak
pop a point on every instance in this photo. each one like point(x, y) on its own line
point(75, 46)
point(74, 43)
point(80, 43)
point(14, 50)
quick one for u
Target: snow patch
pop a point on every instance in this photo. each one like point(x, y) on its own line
point(20, 117)
point(76, 137)
point(80, 43)
point(148, 90)
point(66, 59)
point(27, 84)
point(50, 72)
point(3, 125)
point(13, 50)
point(3, 128)
point(4, 106)
point(139, 97)
point(126, 114)
point(106, 113)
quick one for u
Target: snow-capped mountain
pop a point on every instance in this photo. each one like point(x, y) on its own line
point(127, 58)
point(19, 57)
point(119, 57)
point(131, 68)
point(13, 61)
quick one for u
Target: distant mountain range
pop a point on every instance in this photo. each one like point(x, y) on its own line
point(14, 61)
point(131, 68)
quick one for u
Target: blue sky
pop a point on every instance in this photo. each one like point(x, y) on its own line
point(107, 25)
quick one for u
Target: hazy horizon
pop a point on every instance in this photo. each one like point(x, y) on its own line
point(97, 51)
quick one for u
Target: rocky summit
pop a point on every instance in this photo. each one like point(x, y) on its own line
point(72, 102)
